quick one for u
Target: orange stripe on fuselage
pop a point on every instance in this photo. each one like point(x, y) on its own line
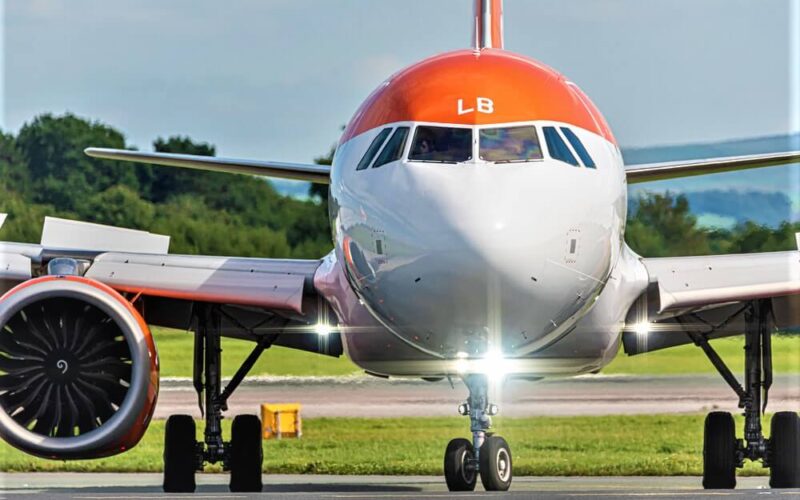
point(447, 88)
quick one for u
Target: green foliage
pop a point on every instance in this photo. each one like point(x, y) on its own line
point(60, 173)
point(43, 171)
point(662, 225)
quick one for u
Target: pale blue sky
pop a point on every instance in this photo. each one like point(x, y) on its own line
point(277, 78)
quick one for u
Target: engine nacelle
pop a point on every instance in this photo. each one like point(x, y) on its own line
point(78, 369)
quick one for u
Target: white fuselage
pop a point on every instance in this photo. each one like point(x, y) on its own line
point(476, 259)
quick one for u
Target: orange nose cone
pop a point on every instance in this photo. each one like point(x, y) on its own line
point(482, 87)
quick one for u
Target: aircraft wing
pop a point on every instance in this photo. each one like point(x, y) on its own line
point(672, 170)
point(709, 296)
point(269, 292)
point(691, 282)
point(319, 174)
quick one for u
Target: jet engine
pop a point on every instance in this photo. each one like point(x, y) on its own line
point(78, 369)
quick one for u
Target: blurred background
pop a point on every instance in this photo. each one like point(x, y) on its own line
point(278, 79)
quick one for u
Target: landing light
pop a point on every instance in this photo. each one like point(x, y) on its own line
point(492, 364)
point(322, 329)
point(642, 328)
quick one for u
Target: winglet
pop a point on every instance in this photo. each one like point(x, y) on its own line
point(2, 220)
point(796, 236)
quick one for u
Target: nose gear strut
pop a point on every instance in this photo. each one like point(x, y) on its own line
point(487, 455)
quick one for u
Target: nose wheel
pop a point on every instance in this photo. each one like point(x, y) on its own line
point(460, 472)
point(495, 464)
point(487, 456)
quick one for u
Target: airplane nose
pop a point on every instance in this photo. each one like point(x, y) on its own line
point(466, 268)
point(458, 266)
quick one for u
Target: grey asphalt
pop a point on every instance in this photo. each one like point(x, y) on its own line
point(311, 487)
point(587, 395)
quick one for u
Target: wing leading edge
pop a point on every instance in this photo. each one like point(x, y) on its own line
point(692, 282)
point(672, 170)
point(319, 174)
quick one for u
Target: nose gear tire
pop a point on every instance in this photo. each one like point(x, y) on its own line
point(495, 464)
point(458, 473)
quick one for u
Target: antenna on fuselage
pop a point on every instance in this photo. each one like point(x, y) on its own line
point(488, 20)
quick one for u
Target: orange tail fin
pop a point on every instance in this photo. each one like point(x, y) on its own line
point(488, 20)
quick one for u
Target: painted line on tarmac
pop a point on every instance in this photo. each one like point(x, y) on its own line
point(666, 494)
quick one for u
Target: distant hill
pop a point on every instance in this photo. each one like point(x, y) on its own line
point(766, 196)
point(738, 147)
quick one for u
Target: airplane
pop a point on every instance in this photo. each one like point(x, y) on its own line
point(478, 203)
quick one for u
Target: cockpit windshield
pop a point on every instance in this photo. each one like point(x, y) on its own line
point(510, 144)
point(441, 145)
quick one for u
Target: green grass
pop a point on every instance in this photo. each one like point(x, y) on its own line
point(175, 348)
point(175, 353)
point(580, 446)
point(690, 359)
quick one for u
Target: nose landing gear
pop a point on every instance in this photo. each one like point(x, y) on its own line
point(487, 455)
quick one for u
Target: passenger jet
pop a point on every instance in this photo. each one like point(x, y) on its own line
point(478, 203)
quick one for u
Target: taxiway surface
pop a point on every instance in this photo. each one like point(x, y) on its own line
point(307, 487)
point(588, 395)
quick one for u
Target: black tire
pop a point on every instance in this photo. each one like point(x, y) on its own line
point(719, 452)
point(246, 454)
point(458, 475)
point(495, 459)
point(180, 450)
point(785, 450)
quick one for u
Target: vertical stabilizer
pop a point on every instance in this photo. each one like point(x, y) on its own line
point(488, 24)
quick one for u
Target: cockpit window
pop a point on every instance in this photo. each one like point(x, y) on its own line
point(510, 144)
point(557, 147)
point(394, 148)
point(577, 145)
point(441, 145)
point(373, 148)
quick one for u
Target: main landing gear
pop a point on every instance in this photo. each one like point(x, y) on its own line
point(242, 455)
point(722, 452)
point(487, 455)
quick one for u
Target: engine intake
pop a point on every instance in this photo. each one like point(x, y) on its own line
point(78, 369)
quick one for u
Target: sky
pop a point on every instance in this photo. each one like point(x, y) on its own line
point(276, 79)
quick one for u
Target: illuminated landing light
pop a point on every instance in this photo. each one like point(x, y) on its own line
point(493, 364)
point(462, 366)
point(322, 329)
point(642, 328)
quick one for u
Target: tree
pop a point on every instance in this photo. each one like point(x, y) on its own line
point(164, 182)
point(321, 190)
point(13, 167)
point(662, 225)
point(60, 173)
